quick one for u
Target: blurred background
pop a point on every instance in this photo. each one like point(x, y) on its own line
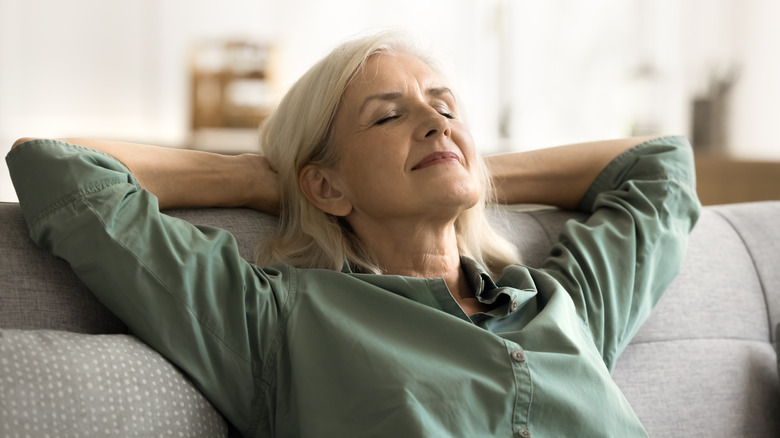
point(532, 73)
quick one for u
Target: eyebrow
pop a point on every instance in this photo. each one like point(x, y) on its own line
point(440, 91)
point(435, 92)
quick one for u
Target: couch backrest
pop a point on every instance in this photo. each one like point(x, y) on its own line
point(704, 364)
point(39, 291)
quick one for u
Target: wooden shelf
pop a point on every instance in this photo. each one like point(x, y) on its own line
point(231, 83)
point(724, 180)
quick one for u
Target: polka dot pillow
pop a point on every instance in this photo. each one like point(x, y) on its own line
point(61, 384)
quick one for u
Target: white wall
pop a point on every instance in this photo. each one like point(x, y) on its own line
point(60, 68)
point(755, 115)
point(98, 68)
point(533, 73)
point(572, 71)
point(64, 68)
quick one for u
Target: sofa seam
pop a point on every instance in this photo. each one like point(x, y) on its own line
point(539, 223)
point(719, 338)
point(770, 329)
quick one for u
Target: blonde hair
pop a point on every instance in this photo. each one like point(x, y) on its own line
point(298, 133)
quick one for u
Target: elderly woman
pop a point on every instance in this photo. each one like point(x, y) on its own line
point(388, 306)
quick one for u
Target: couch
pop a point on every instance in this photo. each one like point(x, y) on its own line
point(703, 365)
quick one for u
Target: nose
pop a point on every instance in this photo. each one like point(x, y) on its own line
point(432, 124)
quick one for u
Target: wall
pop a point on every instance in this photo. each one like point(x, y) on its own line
point(66, 63)
point(755, 113)
point(532, 73)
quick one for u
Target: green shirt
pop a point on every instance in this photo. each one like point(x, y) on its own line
point(282, 351)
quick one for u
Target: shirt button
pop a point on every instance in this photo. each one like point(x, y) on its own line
point(513, 306)
point(518, 356)
point(524, 433)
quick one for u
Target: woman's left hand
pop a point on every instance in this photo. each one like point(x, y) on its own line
point(557, 176)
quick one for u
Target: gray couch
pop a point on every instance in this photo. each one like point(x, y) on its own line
point(703, 365)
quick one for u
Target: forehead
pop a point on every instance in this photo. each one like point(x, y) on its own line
point(392, 72)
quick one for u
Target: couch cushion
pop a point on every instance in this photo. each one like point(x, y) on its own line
point(717, 294)
point(704, 360)
point(67, 384)
point(40, 291)
point(758, 226)
point(692, 388)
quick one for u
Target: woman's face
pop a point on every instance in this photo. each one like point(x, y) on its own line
point(403, 151)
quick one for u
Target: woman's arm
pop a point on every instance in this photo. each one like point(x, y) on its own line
point(187, 178)
point(186, 290)
point(557, 176)
point(616, 261)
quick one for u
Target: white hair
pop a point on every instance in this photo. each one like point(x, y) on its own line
point(299, 132)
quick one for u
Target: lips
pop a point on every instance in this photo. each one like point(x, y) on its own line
point(436, 158)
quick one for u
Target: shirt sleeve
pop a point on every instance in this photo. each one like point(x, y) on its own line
point(617, 263)
point(184, 290)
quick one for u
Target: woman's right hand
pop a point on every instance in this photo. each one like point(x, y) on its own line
point(264, 192)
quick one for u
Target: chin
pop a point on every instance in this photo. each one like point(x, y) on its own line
point(461, 201)
point(469, 192)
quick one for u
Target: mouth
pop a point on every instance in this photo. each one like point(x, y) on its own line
point(437, 158)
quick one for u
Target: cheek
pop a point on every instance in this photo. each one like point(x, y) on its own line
point(374, 157)
point(466, 145)
point(475, 189)
point(366, 173)
point(465, 142)
point(476, 168)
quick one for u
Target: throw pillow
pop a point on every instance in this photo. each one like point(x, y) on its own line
point(63, 384)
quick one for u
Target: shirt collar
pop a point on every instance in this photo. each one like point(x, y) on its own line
point(477, 276)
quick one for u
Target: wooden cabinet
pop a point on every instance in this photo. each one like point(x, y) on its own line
point(231, 92)
point(723, 180)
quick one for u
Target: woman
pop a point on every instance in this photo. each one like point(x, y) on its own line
point(388, 307)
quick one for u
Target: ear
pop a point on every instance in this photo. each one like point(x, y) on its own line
point(318, 185)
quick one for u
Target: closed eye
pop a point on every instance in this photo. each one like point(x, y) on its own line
point(447, 115)
point(444, 110)
point(384, 120)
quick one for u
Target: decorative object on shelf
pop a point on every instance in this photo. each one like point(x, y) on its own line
point(710, 115)
point(231, 92)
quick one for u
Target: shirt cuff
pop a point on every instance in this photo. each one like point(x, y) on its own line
point(662, 158)
point(49, 174)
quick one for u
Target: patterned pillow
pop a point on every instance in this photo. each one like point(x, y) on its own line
point(55, 383)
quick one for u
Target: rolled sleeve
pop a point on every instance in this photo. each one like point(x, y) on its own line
point(177, 286)
point(617, 263)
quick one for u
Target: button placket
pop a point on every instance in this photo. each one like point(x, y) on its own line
point(519, 362)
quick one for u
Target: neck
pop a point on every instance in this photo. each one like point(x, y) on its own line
point(420, 251)
point(412, 249)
